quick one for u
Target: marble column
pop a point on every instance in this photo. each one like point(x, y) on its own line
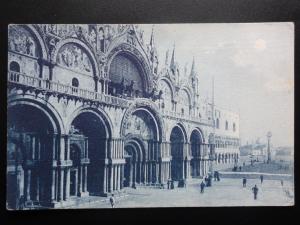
point(111, 178)
point(67, 186)
point(119, 177)
point(104, 188)
point(60, 184)
point(27, 184)
point(122, 176)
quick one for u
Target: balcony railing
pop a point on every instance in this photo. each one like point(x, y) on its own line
point(38, 83)
point(18, 78)
point(187, 117)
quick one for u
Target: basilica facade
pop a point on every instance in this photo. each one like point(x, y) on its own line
point(91, 110)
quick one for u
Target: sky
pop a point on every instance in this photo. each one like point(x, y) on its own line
point(253, 69)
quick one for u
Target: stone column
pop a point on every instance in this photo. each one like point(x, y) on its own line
point(105, 189)
point(37, 197)
point(116, 176)
point(113, 177)
point(27, 184)
point(143, 176)
point(60, 183)
point(140, 170)
point(146, 172)
point(119, 177)
point(32, 147)
point(67, 187)
point(150, 172)
point(160, 173)
point(122, 176)
point(134, 173)
point(54, 185)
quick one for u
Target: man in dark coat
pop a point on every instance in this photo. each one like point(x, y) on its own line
point(261, 179)
point(112, 201)
point(255, 191)
point(202, 185)
point(172, 184)
point(218, 176)
point(244, 181)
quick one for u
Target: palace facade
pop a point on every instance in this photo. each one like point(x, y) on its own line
point(92, 110)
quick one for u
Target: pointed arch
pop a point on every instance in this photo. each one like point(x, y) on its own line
point(170, 85)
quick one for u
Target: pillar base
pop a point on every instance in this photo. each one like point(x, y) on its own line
point(83, 194)
point(101, 194)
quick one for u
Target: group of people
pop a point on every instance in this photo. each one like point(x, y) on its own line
point(207, 181)
point(170, 184)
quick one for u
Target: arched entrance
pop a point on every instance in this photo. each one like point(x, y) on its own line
point(196, 142)
point(90, 132)
point(31, 140)
point(177, 139)
point(133, 174)
point(142, 135)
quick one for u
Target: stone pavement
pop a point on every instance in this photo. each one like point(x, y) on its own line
point(227, 192)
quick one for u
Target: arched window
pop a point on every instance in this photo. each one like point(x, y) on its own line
point(226, 125)
point(218, 123)
point(14, 66)
point(75, 82)
point(233, 127)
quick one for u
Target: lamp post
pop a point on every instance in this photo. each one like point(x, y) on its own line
point(269, 135)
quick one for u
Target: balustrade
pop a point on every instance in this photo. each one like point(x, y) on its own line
point(19, 78)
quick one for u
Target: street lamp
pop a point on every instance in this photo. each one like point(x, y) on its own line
point(269, 135)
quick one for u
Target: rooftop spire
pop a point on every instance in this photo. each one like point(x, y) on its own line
point(167, 57)
point(193, 67)
point(172, 64)
point(152, 37)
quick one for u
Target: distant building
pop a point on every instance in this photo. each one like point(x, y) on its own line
point(285, 154)
point(256, 151)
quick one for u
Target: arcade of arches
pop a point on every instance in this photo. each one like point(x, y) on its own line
point(53, 169)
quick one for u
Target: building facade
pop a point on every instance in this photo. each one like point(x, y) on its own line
point(92, 110)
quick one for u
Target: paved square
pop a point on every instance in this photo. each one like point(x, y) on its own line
point(227, 192)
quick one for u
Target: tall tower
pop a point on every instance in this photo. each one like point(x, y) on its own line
point(269, 135)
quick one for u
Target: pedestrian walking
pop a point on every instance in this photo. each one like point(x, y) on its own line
point(168, 184)
point(255, 191)
point(112, 201)
point(209, 180)
point(244, 181)
point(281, 181)
point(261, 179)
point(240, 168)
point(206, 180)
point(172, 184)
point(202, 185)
point(218, 176)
